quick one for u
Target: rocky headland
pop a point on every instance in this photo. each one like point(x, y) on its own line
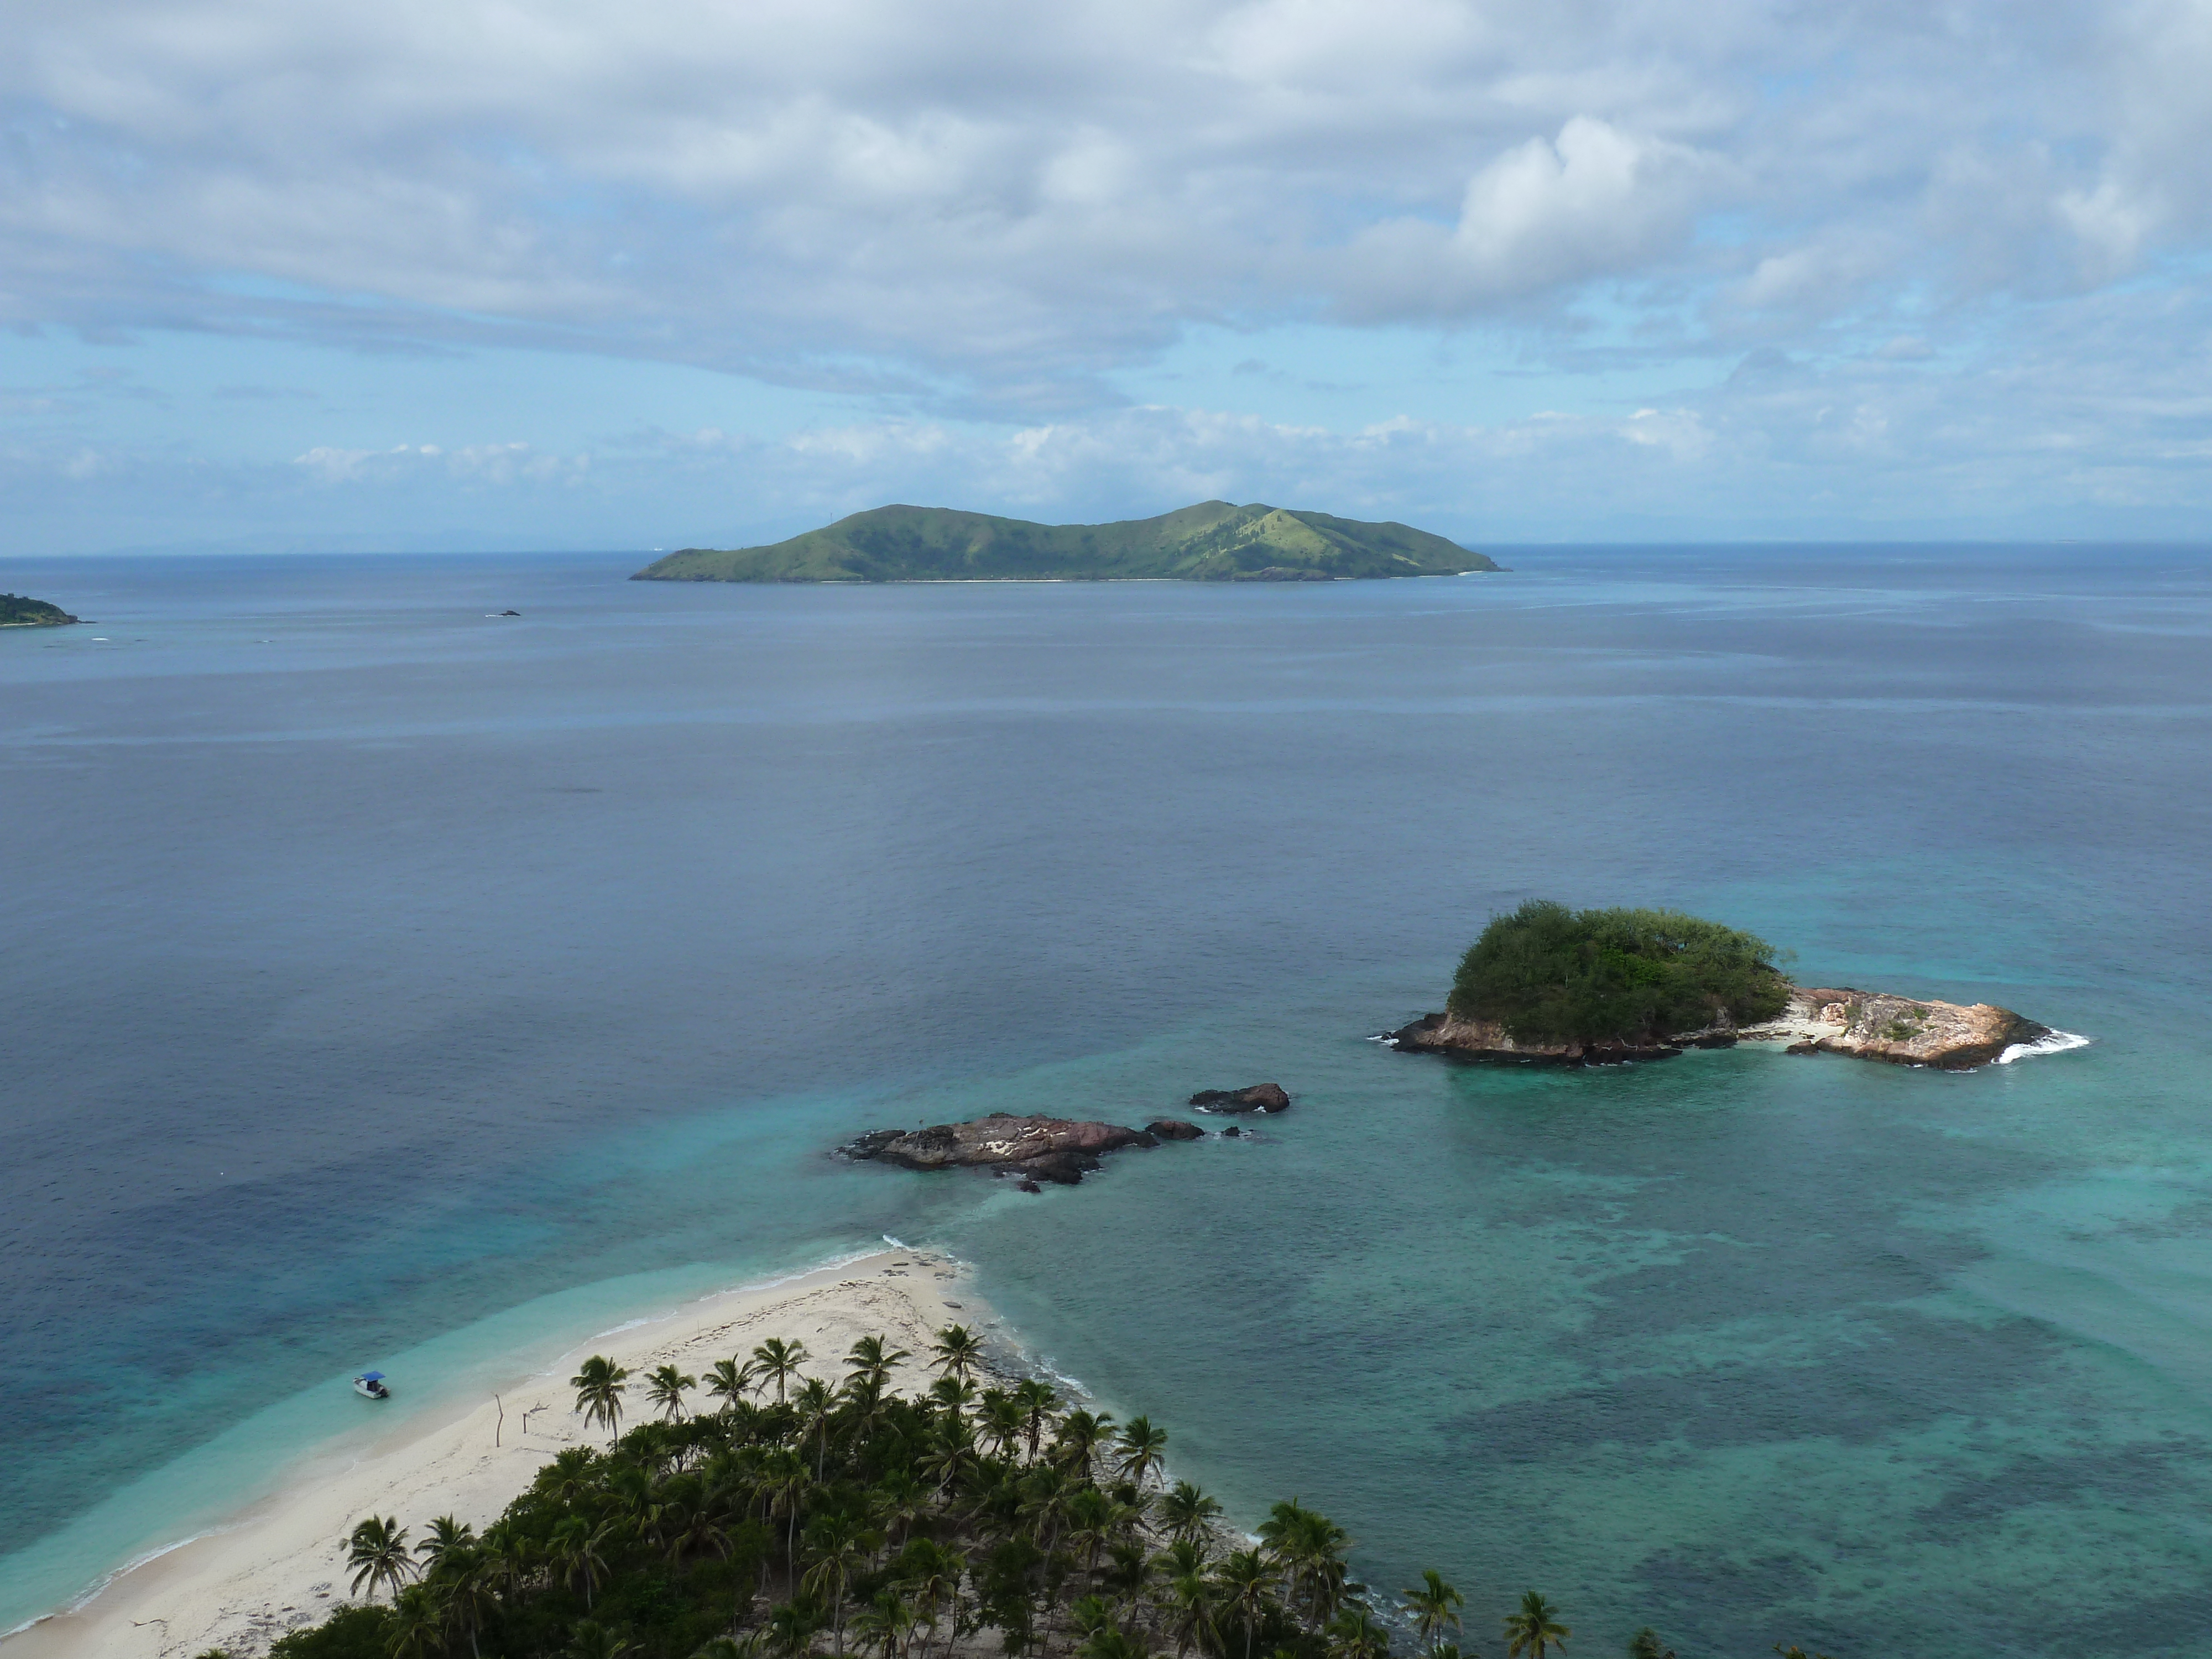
point(1035, 1149)
point(18, 611)
point(1865, 1024)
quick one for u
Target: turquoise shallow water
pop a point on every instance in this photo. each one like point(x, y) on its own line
point(412, 973)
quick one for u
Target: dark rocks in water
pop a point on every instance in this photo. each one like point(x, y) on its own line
point(510, 613)
point(1026, 1187)
point(1803, 1048)
point(1038, 1149)
point(1233, 1132)
point(1173, 1128)
point(1260, 1097)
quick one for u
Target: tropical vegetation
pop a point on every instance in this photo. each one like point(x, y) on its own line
point(17, 611)
point(790, 1516)
point(1548, 974)
point(1214, 541)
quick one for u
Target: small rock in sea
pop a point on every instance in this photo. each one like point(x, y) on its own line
point(1172, 1128)
point(1803, 1048)
point(1030, 1187)
point(1232, 1131)
point(1258, 1097)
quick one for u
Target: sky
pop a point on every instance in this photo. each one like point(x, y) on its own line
point(289, 274)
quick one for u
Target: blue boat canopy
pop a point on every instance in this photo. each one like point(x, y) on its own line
point(372, 1376)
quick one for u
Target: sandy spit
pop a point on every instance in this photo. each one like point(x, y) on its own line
point(281, 1562)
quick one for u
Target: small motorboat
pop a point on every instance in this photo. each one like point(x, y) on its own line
point(369, 1385)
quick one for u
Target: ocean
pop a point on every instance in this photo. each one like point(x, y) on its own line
point(388, 981)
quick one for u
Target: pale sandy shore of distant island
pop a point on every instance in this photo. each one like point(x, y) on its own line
point(280, 1563)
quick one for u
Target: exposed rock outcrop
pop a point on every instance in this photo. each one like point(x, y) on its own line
point(1259, 1097)
point(1868, 1024)
point(1055, 1149)
point(1875, 1025)
point(1174, 1128)
point(1486, 1039)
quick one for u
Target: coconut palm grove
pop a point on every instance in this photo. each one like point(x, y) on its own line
point(786, 1517)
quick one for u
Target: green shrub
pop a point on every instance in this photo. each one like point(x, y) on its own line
point(1551, 975)
point(351, 1633)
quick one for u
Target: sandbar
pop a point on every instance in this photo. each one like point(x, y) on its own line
point(281, 1562)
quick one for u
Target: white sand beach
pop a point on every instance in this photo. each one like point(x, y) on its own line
point(282, 1562)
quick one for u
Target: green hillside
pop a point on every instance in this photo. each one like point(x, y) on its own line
point(1211, 542)
point(17, 611)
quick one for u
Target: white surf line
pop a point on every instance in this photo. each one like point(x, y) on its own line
point(2055, 1043)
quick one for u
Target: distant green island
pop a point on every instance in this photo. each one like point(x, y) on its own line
point(17, 611)
point(1214, 541)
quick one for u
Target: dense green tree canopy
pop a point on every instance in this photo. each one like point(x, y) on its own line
point(854, 1522)
point(1551, 975)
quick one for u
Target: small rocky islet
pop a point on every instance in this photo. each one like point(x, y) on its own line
point(1543, 985)
point(1547, 984)
point(1038, 1149)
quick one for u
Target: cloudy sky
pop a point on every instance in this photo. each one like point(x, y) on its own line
point(637, 273)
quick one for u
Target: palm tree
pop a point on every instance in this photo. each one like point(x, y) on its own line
point(665, 1389)
point(949, 1458)
point(1002, 1420)
point(958, 1351)
point(1534, 1627)
point(1045, 1495)
point(377, 1553)
point(1435, 1608)
point(1037, 1398)
point(579, 1551)
point(791, 1628)
point(1088, 1614)
point(1186, 1512)
point(952, 1395)
point(1241, 1580)
point(778, 1362)
point(931, 1574)
point(815, 1403)
point(508, 1553)
point(1090, 1519)
point(417, 1628)
point(782, 1486)
point(591, 1641)
point(840, 1545)
point(446, 1536)
point(866, 1360)
point(1354, 1633)
point(468, 1580)
point(1080, 1432)
point(729, 1383)
point(886, 1624)
point(599, 1385)
point(1191, 1607)
point(570, 1471)
point(1112, 1642)
point(1142, 1448)
point(899, 1500)
point(1645, 1644)
point(1309, 1548)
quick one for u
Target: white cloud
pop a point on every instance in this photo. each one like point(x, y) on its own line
point(1597, 201)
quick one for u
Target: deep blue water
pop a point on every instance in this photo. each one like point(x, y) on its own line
point(373, 967)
